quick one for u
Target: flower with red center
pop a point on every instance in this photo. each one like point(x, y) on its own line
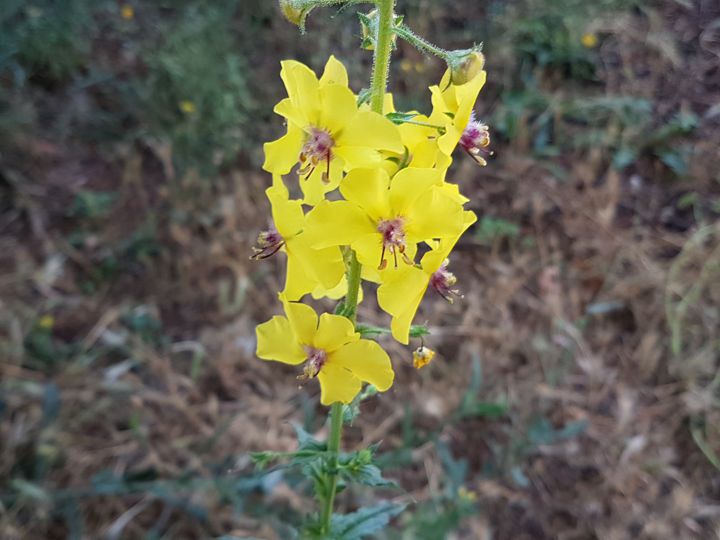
point(330, 350)
point(400, 293)
point(327, 133)
point(381, 219)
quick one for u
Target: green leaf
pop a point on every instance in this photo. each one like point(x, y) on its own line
point(367, 475)
point(306, 441)
point(400, 117)
point(364, 522)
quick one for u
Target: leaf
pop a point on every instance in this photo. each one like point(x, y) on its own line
point(400, 117)
point(364, 522)
point(368, 475)
point(306, 441)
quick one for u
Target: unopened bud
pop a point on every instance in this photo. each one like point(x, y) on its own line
point(293, 14)
point(467, 67)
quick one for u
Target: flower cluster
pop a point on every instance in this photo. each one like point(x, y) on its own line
point(370, 187)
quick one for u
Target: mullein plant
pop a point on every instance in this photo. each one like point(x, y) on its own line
point(374, 204)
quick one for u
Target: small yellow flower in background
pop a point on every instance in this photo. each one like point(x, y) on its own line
point(327, 133)
point(383, 221)
point(46, 322)
point(422, 356)
point(330, 349)
point(127, 12)
point(406, 65)
point(466, 494)
point(187, 106)
point(308, 270)
point(589, 40)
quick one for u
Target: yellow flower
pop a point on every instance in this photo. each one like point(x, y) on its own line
point(308, 270)
point(385, 221)
point(589, 40)
point(187, 106)
point(46, 322)
point(452, 108)
point(330, 349)
point(127, 12)
point(422, 356)
point(327, 133)
point(400, 293)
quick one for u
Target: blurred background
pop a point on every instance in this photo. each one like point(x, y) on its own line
point(575, 394)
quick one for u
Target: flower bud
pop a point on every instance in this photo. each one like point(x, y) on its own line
point(467, 67)
point(293, 14)
point(422, 356)
point(369, 28)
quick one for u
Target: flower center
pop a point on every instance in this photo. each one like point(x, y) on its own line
point(316, 359)
point(268, 242)
point(475, 139)
point(442, 281)
point(317, 149)
point(393, 240)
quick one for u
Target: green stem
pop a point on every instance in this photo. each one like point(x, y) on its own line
point(333, 446)
point(421, 43)
point(383, 49)
point(381, 69)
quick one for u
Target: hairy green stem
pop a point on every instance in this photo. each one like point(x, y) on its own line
point(333, 446)
point(421, 43)
point(383, 50)
point(381, 69)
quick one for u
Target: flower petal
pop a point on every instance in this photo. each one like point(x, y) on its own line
point(336, 223)
point(367, 361)
point(400, 295)
point(338, 107)
point(333, 332)
point(282, 155)
point(371, 129)
point(335, 73)
point(325, 265)
point(409, 184)
point(303, 321)
point(315, 186)
point(288, 215)
point(356, 157)
point(337, 384)
point(434, 215)
point(276, 341)
point(296, 117)
point(302, 86)
point(368, 189)
point(298, 281)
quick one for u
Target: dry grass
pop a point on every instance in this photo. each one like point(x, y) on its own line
point(602, 310)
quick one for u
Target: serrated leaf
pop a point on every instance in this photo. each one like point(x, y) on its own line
point(364, 522)
point(306, 441)
point(368, 475)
